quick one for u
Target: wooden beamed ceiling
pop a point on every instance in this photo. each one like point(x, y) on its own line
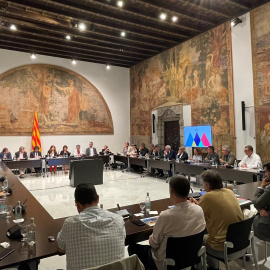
point(42, 26)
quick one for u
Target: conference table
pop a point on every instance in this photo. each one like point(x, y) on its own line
point(228, 174)
point(47, 226)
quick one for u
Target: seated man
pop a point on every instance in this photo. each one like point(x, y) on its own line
point(169, 154)
point(158, 153)
point(184, 219)
point(221, 208)
point(91, 150)
point(212, 156)
point(261, 201)
point(5, 154)
point(21, 154)
point(228, 157)
point(127, 149)
point(182, 154)
point(250, 160)
point(78, 152)
point(36, 154)
point(106, 150)
point(143, 150)
point(95, 236)
point(151, 149)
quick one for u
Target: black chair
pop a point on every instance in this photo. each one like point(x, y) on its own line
point(183, 252)
point(239, 239)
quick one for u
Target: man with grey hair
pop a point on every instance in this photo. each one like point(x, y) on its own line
point(21, 154)
point(170, 155)
point(228, 157)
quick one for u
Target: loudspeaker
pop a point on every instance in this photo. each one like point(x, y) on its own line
point(243, 106)
point(153, 120)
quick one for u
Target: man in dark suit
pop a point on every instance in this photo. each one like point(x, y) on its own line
point(5, 154)
point(169, 154)
point(36, 154)
point(21, 154)
point(143, 150)
point(91, 151)
point(182, 154)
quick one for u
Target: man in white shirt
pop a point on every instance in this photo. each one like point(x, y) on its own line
point(91, 151)
point(250, 160)
point(78, 152)
point(21, 154)
point(94, 237)
point(181, 221)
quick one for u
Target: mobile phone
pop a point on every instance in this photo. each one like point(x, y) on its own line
point(5, 253)
point(138, 222)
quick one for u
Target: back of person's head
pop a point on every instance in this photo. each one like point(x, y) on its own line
point(267, 166)
point(85, 193)
point(180, 186)
point(213, 178)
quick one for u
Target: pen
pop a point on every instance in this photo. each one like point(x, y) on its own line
point(118, 207)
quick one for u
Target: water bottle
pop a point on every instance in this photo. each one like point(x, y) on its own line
point(177, 159)
point(235, 165)
point(18, 210)
point(164, 158)
point(147, 203)
point(235, 187)
point(31, 239)
point(101, 205)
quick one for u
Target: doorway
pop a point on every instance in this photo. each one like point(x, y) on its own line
point(172, 134)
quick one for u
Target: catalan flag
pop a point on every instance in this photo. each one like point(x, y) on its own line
point(35, 134)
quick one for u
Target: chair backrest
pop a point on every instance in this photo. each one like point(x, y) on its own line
point(238, 233)
point(128, 263)
point(183, 250)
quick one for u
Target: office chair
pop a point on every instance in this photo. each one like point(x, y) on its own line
point(238, 239)
point(183, 252)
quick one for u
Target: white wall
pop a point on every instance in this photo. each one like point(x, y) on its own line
point(113, 84)
point(243, 85)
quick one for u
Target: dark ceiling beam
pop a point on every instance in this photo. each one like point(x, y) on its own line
point(37, 35)
point(9, 46)
point(193, 6)
point(67, 45)
point(144, 15)
point(71, 52)
point(102, 21)
point(238, 3)
point(161, 7)
point(61, 31)
point(155, 47)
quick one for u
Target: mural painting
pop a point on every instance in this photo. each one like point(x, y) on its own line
point(260, 32)
point(66, 102)
point(196, 72)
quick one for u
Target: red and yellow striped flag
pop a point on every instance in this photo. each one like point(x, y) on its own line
point(35, 134)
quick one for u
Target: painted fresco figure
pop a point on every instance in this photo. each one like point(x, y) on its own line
point(76, 101)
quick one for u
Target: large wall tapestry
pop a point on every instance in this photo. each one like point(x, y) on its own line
point(66, 102)
point(197, 72)
point(260, 30)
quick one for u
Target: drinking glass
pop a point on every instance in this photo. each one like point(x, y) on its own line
point(24, 232)
point(142, 206)
point(8, 210)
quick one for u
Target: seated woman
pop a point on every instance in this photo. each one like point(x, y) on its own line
point(261, 200)
point(65, 153)
point(52, 153)
point(197, 155)
point(106, 150)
